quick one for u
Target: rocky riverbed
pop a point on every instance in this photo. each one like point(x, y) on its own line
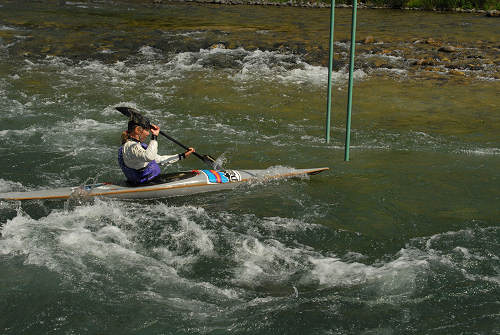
point(441, 55)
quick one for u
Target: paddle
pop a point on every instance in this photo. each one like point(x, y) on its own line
point(130, 112)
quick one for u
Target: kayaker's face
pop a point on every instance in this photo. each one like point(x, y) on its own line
point(144, 134)
point(140, 133)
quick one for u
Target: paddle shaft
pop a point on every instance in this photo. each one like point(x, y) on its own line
point(203, 158)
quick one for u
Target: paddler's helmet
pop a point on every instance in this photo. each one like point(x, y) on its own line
point(138, 120)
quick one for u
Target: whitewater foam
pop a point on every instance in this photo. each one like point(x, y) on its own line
point(480, 151)
point(162, 246)
point(10, 186)
point(8, 28)
point(73, 243)
point(149, 52)
point(144, 69)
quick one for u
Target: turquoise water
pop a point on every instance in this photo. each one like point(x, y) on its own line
point(403, 239)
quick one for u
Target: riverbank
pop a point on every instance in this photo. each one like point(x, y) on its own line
point(491, 8)
point(483, 7)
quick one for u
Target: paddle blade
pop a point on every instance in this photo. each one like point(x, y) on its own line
point(208, 159)
point(127, 111)
point(135, 116)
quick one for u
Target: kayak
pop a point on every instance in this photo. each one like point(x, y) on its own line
point(166, 185)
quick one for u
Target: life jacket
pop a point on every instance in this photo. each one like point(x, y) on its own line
point(141, 176)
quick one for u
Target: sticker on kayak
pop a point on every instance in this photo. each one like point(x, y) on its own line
point(220, 177)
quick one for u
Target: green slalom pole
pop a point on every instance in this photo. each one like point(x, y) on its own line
point(351, 79)
point(330, 69)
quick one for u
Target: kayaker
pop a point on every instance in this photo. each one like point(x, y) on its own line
point(140, 161)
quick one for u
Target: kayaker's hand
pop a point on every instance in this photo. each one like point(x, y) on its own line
point(155, 130)
point(189, 152)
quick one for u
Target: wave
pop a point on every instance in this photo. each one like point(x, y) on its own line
point(480, 151)
point(157, 245)
point(10, 186)
point(61, 133)
point(9, 28)
point(240, 64)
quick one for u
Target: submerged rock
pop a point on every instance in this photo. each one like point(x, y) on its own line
point(456, 72)
point(448, 48)
point(431, 41)
point(369, 39)
point(493, 13)
point(425, 61)
point(218, 46)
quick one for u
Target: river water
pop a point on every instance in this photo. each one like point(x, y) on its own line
point(403, 239)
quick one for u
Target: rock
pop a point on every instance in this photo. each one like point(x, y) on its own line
point(369, 39)
point(474, 67)
point(431, 75)
point(425, 61)
point(218, 46)
point(448, 48)
point(377, 63)
point(456, 72)
point(493, 13)
point(432, 69)
point(431, 41)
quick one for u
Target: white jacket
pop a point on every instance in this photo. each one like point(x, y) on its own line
point(136, 157)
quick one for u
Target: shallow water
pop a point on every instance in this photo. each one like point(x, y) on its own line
point(403, 239)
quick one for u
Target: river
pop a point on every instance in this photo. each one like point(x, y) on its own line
point(403, 239)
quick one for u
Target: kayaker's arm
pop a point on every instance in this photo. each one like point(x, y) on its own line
point(169, 159)
point(148, 154)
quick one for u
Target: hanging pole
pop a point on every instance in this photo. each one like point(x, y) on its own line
point(351, 79)
point(330, 69)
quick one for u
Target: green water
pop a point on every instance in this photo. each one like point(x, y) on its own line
point(403, 239)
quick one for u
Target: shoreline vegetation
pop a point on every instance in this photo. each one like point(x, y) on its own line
point(488, 7)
